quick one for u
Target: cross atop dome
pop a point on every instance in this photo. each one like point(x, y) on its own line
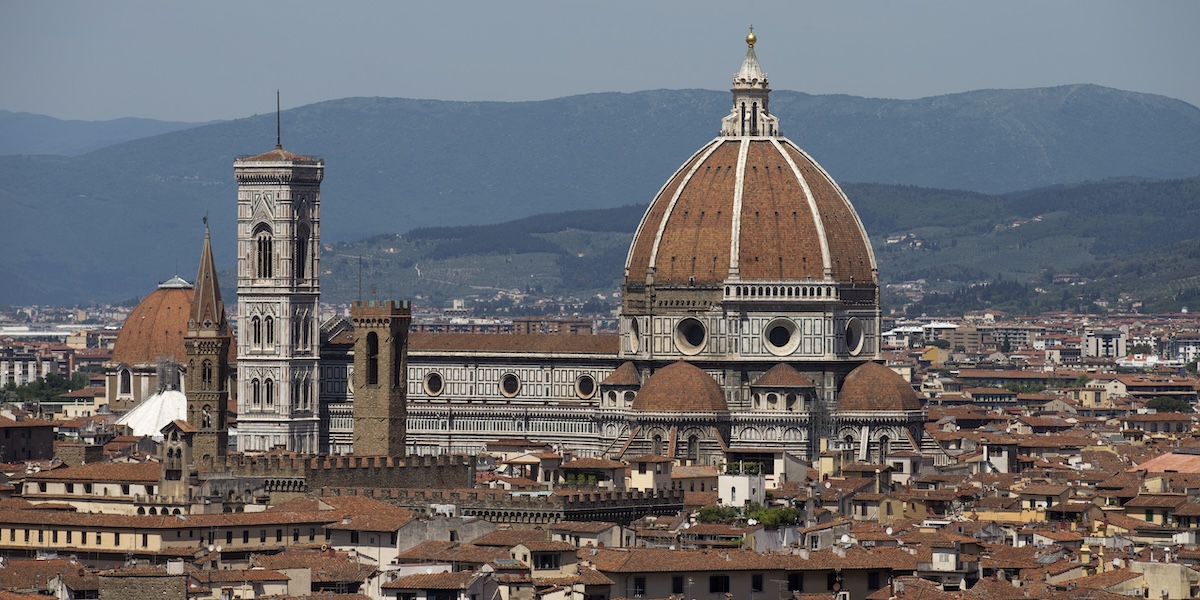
point(750, 116)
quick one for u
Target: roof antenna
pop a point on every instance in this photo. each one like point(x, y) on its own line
point(278, 145)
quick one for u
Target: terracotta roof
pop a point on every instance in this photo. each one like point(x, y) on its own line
point(1171, 461)
point(874, 387)
point(680, 387)
point(325, 566)
point(548, 546)
point(625, 375)
point(419, 342)
point(1103, 580)
point(783, 375)
point(278, 154)
point(659, 560)
point(1157, 501)
point(582, 526)
point(687, 233)
point(1044, 489)
point(103, 471)
point(18, 574)
point(434, 581)
point(442, 551)
point(690, 471)
point(507, 538)
point(220, 576)
point(155, 328)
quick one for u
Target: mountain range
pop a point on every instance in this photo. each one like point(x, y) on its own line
point(108, 224)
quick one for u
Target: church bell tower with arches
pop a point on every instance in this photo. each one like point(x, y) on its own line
point(279, 201)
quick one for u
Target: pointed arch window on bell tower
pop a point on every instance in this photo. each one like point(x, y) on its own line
point(302, 259)
point(206, 375)
point(264, 250)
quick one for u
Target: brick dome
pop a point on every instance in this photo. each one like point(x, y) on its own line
point(760, 208)
point(680, 387)
point(157, 325)
point(874, 387)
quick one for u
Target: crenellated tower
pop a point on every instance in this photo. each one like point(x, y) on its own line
point(380, 377)
point(279, 201)
point(209, 344)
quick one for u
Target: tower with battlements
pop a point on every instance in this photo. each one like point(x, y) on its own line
point(380, 368)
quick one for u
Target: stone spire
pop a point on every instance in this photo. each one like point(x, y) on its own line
point(208, 311)
point(208, 343)
point(750, 115)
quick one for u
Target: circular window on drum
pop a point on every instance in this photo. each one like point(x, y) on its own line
point(510, 385)
point(780, 337)
point(690, 336)
point(585, 386)
point(854, 336)
point(434, 384)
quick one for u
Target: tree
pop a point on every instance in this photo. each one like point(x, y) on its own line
point(718, 514)
point(1169, 404)
point(943, 344)
point(1141, 349)
point(1081, 381)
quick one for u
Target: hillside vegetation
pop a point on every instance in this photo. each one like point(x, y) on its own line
point(1065, 248)
point(111, 223)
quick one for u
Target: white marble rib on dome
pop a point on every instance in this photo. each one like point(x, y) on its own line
point(149, 417)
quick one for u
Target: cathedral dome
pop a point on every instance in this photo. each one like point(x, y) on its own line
point(157, 326)
point(874, 387)
point(680, 387)
point(750, 206)
point(159, 323)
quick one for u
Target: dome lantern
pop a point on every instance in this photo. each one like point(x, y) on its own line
point(750, 115)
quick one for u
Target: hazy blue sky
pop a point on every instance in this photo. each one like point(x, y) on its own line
point(195, 61)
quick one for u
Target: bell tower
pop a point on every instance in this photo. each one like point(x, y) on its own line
point(279, 201)
point(208, 343)
point(380, 376)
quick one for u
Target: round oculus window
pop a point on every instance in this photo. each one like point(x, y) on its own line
point(854, 336)
point(434, 384)
point(690, 335)
point(510, 385)
point(781, 337)
point(585, 386)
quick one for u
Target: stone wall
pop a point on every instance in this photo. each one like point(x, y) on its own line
point(503, 507)
point(142, 585)
point(74, 454)
point(294, 475)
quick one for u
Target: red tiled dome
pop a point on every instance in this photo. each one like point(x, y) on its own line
point(772, 213)
point(872, 386)
point(783, 375)
point(156, 327)
point(680, 387)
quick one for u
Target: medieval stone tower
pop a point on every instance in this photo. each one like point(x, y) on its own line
point(380, 381)
point(279, 201)
point(208, 343)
